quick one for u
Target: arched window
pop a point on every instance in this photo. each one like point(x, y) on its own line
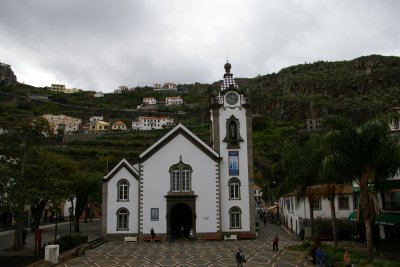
point(235, 218)
point(176, 180)
point(234, 188)
point(181, 177)
point(123, 190)
point(122, 219)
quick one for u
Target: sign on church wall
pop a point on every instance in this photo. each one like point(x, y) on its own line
point(233, 163)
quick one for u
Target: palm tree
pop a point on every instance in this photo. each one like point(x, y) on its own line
point(364, 155)
point(329, 191)
point(302, 165)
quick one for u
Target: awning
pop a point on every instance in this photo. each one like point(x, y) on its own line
point(352, 216)
point(273, 209)
point(388, 219)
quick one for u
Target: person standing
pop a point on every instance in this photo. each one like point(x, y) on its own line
point(191, 235)
point(275, 242)
point(153, 234)
point(240, 259)
point(346, 258)
point(24, 235)
point(171, 238)
point(182, 231)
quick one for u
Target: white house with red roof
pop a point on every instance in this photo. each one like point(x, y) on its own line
point(149, 100)
point(173, 100)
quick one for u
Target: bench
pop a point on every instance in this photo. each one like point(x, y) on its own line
point(211, 237)
point(230, 237)
point(247, 236)
point(130, 238)
point(147, 238)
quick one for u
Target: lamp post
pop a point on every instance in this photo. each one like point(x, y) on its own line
point(71, 213)
point(55, 230)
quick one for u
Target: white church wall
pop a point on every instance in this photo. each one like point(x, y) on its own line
point(156, 181)
point(243, 202)
point(114, 205)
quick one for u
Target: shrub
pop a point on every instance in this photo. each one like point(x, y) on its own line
point(67, 242)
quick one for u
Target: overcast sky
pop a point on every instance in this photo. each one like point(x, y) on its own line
point(100, 45)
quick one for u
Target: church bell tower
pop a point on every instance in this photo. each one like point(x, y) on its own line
point(231, 136)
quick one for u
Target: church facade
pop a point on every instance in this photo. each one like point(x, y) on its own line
point(180, 182)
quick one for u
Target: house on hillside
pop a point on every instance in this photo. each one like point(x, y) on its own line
point(61, 88)
point(96, 118)
point(165, 86)
point(149, 100)
point(314, 124)
point(98, 94)
point(173, 100)
point(157, 86)
point(99, 126)
point(180, 182)
point(144, 123)
point(257, 193)
point(62, 123)
point(170, 86)
point(118, 126)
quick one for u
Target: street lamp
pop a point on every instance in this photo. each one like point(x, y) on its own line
point(71, 213)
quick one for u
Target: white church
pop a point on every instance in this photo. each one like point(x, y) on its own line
point(182, 182)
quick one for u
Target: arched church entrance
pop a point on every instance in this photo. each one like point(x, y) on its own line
point(181, 218)
point(181, 212)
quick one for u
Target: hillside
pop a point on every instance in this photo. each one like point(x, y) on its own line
point(358, 89)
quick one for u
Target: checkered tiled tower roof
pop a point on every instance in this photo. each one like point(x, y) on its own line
point(228, 81)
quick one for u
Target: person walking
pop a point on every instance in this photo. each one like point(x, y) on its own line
point(240, 259)
point(346, 258)
point(320, 256)
point(275, 242)
point(153, 234)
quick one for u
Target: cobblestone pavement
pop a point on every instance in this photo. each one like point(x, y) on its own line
point(202, 253)
point(217, 253)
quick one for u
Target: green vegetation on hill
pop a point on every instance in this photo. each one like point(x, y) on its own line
point(358, 89)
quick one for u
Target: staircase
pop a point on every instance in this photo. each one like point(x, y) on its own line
point(96, 242)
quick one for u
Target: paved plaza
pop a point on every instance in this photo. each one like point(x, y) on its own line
point(201, 253)
point(217, 253)
point(180, 253)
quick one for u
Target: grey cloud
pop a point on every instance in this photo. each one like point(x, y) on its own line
point(99, 44)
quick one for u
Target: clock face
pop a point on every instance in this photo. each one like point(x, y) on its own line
point(231, 98)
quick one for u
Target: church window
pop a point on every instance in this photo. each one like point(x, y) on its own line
point(235, 218)
point(123, 190)
point(122, 219)
point(181, 177)
point(234, 188)
point(186, 179)
point(176, 185)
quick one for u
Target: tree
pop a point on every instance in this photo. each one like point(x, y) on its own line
point(302, 167)
point(51, 177)
point(87, 185)
point(19, 147)
point(365, 155)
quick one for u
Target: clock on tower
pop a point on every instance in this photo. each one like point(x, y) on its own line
point(231, 98)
